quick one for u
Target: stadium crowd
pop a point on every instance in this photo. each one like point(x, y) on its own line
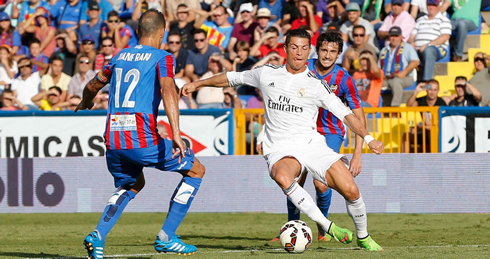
point(50, 49)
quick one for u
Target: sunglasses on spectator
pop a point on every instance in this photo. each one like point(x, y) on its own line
point(218, 15)
point(358, 35)
point(4, 20)
point(84, 61)
point(460, 85)
point(174, 42)
point(21, 67)
point(199, 40)
point(106, 46)
point(480, 59)
point(87, 42)
point(112, 21)
point(244, 12)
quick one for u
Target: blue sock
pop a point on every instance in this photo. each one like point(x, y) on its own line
point(323, 201)
point(293, 212)
point(113, 211)
point(179, 205)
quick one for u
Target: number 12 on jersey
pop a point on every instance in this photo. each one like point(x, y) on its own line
point(135, 73)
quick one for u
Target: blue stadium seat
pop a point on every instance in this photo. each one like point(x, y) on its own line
point(412, 87)
point(486, 8)
point(478, 29)
point(446, 58)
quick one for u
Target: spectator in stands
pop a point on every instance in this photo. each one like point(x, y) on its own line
point(66, 49)
point(197, 60)
point(267, 44)
point(241, 63)
point(8, 67)
point(180, 54)
point(211, 97)
point(480, 81)
point(481, 61)
point(308, 19)
point(263, 18)
point(466, 93)
point(107, 52)
point(289, 14)
point(369, 80)
point(419, 8)
point(50, 100)
point(9, 36)
point(243, 31)
point(351, 61)
point(38, 59)
point(322, 10)
point(173, 7)
point(219, 30)
point(122, 35)
point(27, 9)
point(87, 47)
point(398, 60)
point(56, 77)
point(430, 37)
point(94, 26)
point(335, 10)
point(276, 8)
point(185, 27)
point(10, 103)
point(39, 24)
point(102, 101)
point(272, 58)
point(27, 84)
point(73, 102)
point(80, 79)
point(399, 17)
point(103, 9)
point(465, 18)
point(231, 99)
point(353, 13)
point(430, 100)
point(371, 11)
point(388, 5)
point(66, 14)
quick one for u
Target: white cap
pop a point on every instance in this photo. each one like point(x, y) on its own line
point(246, 7)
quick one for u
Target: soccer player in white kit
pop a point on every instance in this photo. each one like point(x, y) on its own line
point(292, 95)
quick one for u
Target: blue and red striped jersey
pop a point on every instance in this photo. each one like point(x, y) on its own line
point(344, 87)
point(134, 96)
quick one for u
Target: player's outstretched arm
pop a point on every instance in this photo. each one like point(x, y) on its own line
point(220, 80)
point(91, 90)
point(355, 125)
point(171, 104)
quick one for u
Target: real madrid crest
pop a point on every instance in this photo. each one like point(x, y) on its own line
point(301, 92)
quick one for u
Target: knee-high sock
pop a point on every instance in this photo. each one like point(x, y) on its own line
point(357, 211)
point(113, 211)
point(305, 203)
point(179, 205)
point(293, 212)
point(323, 201)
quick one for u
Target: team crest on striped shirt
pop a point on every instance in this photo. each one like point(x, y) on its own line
point(334, 87)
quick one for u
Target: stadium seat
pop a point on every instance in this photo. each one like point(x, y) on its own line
point(460, 69)
point(412, 87)
point(446, 58)
point(478, 29)
point(486, 8)
point(485, 40)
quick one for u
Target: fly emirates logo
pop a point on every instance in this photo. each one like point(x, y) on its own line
point(283, 105)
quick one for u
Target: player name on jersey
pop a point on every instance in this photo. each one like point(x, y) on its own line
point(134, 56)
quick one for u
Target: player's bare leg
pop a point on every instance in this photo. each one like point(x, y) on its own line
point(94, 242)
point(340, 179)
point(167, 240)
point(323, 204)
point(284, 173)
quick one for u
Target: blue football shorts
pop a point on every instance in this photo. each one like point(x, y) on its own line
point(126, 165)
point(334, 141)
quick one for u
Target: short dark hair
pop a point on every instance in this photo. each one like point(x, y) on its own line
point(366, 52)
point(242, 45)
point(34, 40)
point(83, 56)
point(112, 13)
point(107, 38)
point(272, 29)
point(358, 27)
point(433, 81)
point(174, 33)
point(330, 36)
point(181, 5)
point(57, 88)
point(24, 58)
point(300, 33)
point(460, 78)
point(55, 57)
point(150, 22)
point(197, 31)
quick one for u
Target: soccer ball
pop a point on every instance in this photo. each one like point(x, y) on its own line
point(295, 236)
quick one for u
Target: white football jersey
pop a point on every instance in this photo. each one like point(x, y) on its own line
point(291, 103)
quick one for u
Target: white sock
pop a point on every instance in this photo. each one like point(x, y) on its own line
point(357, 211)
point(305, 203)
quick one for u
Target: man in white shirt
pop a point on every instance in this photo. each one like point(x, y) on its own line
point(292, 95)
point(27, 84)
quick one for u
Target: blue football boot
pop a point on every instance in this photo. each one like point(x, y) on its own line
point(94, 246)
point(174, 245)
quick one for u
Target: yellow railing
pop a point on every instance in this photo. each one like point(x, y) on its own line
point(399, 128)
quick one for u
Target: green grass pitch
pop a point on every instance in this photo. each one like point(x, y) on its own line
point(244, 235)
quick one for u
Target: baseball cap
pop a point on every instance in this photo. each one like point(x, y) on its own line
point(88, 37)
point(352, 7)
point(397, 2)
point(4, 16)
point(264, 12)
point(433, 2)
point(395, 30)
point(93, 6)
point(246, 7)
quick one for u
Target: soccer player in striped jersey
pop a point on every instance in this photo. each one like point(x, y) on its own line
point(139, 77)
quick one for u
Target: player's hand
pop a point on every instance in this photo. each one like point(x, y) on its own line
point(376, 146)
point(259, 147)
point(178, 147)
point(355, 165)
point(84, 106)
point(187, 89)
